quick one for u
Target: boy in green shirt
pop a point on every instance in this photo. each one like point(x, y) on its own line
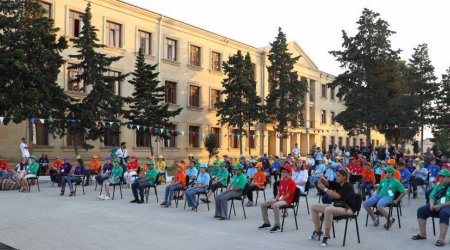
point(141, 183)
point(385, 196)
point(438, 206)
point(234, 190)
point(116, 176)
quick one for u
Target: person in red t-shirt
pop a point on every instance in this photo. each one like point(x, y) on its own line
point(356, 171)
point(285, 196)
point(132, 169)
point(3, 166)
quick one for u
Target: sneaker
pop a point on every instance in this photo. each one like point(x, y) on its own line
point(325, 241)
point(316, 235)
point(264, 226)
point(134, 201)
point(249, 204)
point(275, 229)
point(204, 200)
point(141, 201)
point(376, 222)
point(106, 197)
point(163, 204)
point(168, 204)
point(101, 197)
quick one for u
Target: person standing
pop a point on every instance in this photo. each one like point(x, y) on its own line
point(24, 150)
point(122, 154)
point(296, 151)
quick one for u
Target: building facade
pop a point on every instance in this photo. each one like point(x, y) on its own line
point(190, 64)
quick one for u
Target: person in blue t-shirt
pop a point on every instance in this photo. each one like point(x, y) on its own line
point(433, 169)
point(419, 176)
point(276, 168)
point(404, 173)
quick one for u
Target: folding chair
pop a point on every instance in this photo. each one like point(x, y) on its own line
point(241, 198)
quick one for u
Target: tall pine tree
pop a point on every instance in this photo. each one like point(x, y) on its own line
point(100, 103)
point(241, 99)
point(286, 100)
point(29, 64)
point(424, 87)
point(372, 78)
point(441, 130)
point(147, 107)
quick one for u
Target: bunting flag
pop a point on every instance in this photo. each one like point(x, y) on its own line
point(42, 121)
point(111, 123)
point(50, 120)
point(104, 123)
point(137, 127)
point(97, 123)
point(33, 120)
point(1, 119)
point(131, 125)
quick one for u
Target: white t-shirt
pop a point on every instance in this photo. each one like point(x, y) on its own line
point(296, 151)
point(121, 153)
point(24, 150)
point(300, 176)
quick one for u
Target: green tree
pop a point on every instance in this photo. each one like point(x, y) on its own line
point(424, 88)
point(286, 100)
point(241, 99)
point(100, 103)
point(371, 82)
point(441, 131)
point(210, 146)
point(29, 64)
point(147, 107)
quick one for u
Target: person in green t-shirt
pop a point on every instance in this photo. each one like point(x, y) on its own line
point(149, 179)
point(31, 172)
point(214, 170)
point(115, 178)
point(385, 196)
point(438, 206)
point(220, 181)
point(235, 190)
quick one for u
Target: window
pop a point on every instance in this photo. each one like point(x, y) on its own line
point(195, 55)
point(114, 34)
point(234, 140)
point(333, 142)
point(171, 49)
point(75, 23)
point(171, 92)
point(354, 142)
point(340, 98)
point(215, 133)
point(373, 143)
point(324, 142)
point(48, 9)
point(216, 61)
point(215, 98)
point(194, 96)
point(324, 116)
point(111, 136)
point(72, 141)
point(347, 142)
point(251, 139)
point(171, 142)
point(378, 143)
point(142, 139)
point(361, 142)
point(71, 85)
point(332, 118)
point(324, 91)
point(194, 137)
point(145, 42)
point(116, 84)
point(41, 134)
point(332, 93)
point(340, 142)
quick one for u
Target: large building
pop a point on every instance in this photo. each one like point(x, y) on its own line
point(190, 64)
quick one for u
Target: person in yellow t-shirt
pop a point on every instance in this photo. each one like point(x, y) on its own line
point(161, 166)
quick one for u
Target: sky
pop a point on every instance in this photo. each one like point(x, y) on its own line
point(317, 25)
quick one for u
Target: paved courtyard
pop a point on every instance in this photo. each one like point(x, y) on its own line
point(44, 220)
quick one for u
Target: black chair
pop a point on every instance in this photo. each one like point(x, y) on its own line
point(147, 192)
point(391, 207)
point(119, 184)
point(198, 199)
point(432, 219)
point(354, 216)
point(261, 189)
point(176, 195)
point(305, 194)
point(81, 183)
point(293, 205)
point(31, 179)
point(241, 198)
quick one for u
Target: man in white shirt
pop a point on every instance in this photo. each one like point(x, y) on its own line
point(24, 150)
point(300, 176)
point(296, 151)
point(122, 153)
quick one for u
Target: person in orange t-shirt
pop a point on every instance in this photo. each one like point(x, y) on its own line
point(397, 175)
point(178, 182)
point(94, 169)
point(55, 168)
point(258, 182)
point(368, 180)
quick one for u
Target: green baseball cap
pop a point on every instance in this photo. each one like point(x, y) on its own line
point(222, 164)
point(389, 169)
point(444, 172)
point(33, 157)
point(116, 160)
point(196, 158)
point(150, 163)
point(238, 167)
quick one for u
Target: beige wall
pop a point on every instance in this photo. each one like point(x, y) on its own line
point(133, 19)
